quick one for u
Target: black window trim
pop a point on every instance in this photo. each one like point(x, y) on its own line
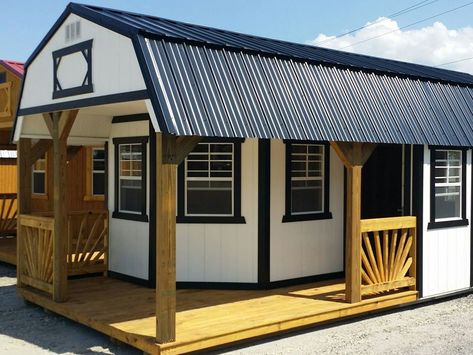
point(237, 218)
point(463, 221)
point(326, 214)
point(143, 217)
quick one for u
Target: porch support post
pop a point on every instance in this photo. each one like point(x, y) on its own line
point(60, 124)
point(166, 169)
point(353, 156)
point(24, 197)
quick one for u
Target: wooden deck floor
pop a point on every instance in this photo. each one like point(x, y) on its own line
point(8, 250)
point(206, 318)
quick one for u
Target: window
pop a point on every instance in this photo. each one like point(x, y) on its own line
point(95, 171)
point(307, 175)
point(39, 176)
point(3, 77)
point(448, 193)
point(209, 188)
point(130, 178)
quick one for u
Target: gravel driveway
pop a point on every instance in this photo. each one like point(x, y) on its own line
point(443, 328)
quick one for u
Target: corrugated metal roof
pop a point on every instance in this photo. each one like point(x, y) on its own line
point(180, 31)
point(218, 92)
point(15, 67)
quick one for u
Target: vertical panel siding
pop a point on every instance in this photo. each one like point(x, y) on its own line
point(224, 252)
point(307, 248)
point(446, 252)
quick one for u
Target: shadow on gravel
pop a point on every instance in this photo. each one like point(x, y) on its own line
point(27, 328)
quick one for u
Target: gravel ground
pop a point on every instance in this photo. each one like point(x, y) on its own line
point(443, 328)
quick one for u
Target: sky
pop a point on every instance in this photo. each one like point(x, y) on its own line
point(435, 41)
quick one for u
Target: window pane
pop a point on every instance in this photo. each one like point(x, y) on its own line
point(39, 182)
point(99, 165)
point(209, 174)
point(98, 183)
point(307, 178)
point(130, 195)
point(448, 175)
point(211, 201)
point(447, 202)
point(99, 154)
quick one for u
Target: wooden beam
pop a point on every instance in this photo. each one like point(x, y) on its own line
point(39, 148)
point(60, 211)
point(165, 238)
point(66, 123)
point(354, 156)
point(185, 145)
point(48, 120)
point(24, 199)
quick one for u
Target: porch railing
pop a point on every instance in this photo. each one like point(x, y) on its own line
point(388, 254)
point(87, 242)
point(5, 99)
point(87, 247)
point(8, 212)
point(35, 248)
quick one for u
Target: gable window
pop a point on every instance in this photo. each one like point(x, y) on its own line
point(3, 77)
point(39, 176)
point(448, 188)
point(209, 184)
point(95, 171)
point(307, 181)
point(130, 178)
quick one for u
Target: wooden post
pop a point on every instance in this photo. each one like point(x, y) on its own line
point(170, 151)
point(24, 198)
point(59, 125)
point(353, 156)
point(166, 169)
point(60, 213)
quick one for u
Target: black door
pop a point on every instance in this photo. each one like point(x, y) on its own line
point(381, 190)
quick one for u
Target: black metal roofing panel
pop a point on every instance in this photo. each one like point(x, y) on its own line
point(225, 93)
point(180, 31)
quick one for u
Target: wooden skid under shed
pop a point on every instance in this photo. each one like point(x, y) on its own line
point(206, 318)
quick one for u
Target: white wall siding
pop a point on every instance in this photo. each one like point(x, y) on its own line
point(306, 248)
point(446, 251)
point(129, 240)
point(224, 252)
point(115, 68)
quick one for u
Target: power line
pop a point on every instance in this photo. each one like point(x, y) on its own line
point(416, 6)
point(455, 61)
point(409, 25)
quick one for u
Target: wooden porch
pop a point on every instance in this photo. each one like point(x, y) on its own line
point(8, 214)
point(207, 318)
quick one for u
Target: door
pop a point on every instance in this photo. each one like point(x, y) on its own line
point(382, 183)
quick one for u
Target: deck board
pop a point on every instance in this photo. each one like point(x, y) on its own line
point(206, 318)
point(8, 250)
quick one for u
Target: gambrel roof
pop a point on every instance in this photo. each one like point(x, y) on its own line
point(210, 82)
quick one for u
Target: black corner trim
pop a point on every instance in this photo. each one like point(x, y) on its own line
point(306, 217)
point(211, 219)
point(130, 216)
point(131, 118)
point(264, 211)
point(418, 210)
point(92, 101)
point(87, 86)
point(152, 206)
point(143, 217)
point(448, 224)
point(128, 278)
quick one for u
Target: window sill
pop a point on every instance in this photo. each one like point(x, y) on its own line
point(448, 224)
point(130, 216)
point(211, 219)
point(94, 198)
point(40, 196)
point(306, 217)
